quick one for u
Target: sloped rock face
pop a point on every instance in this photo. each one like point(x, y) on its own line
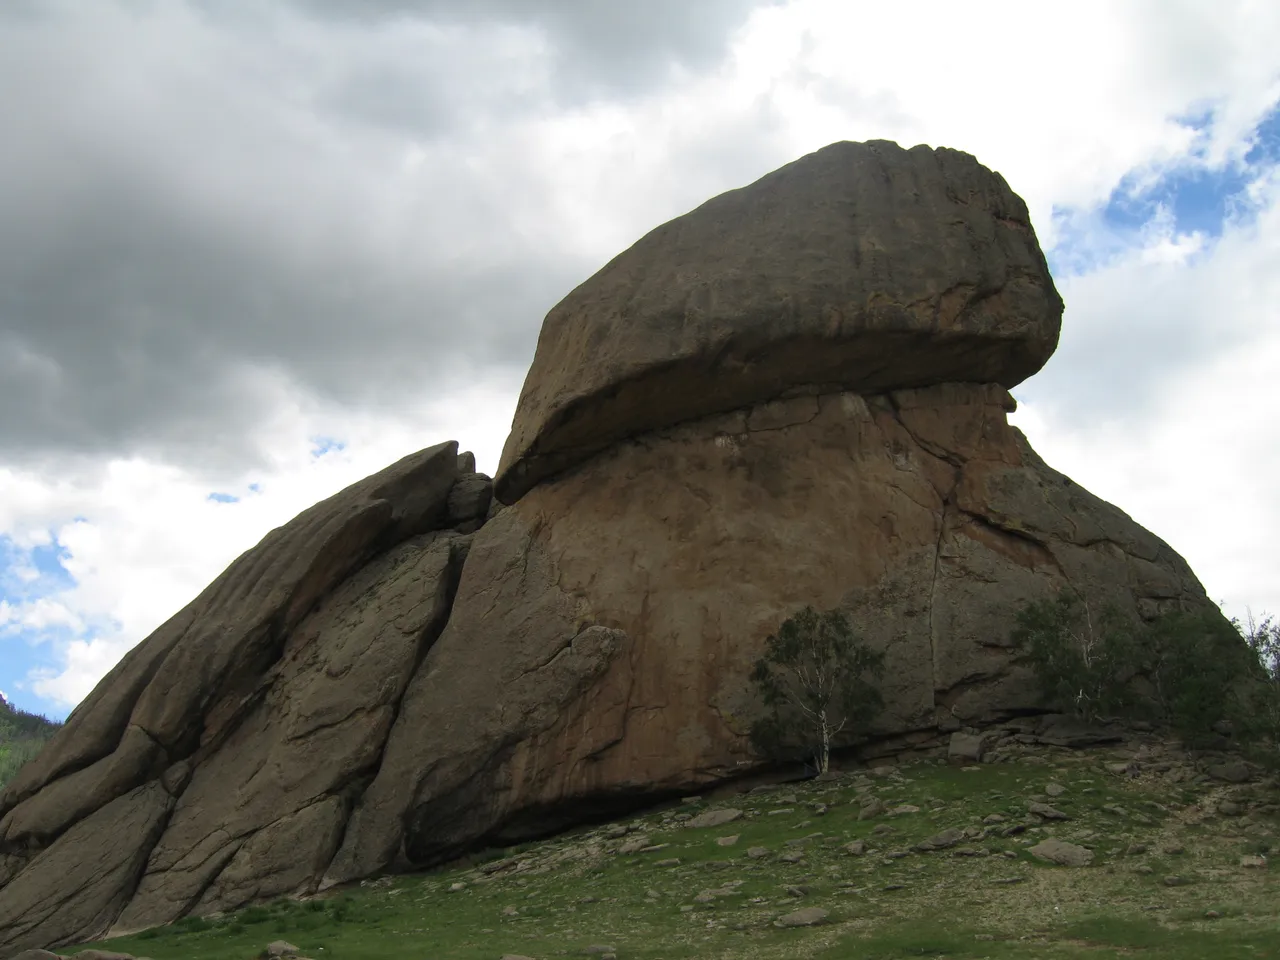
point(922, 512)
point(794, 395)
point(216, 763)
point(863, 266)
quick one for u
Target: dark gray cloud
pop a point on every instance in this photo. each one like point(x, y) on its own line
point(602, 46)
point(189, 194)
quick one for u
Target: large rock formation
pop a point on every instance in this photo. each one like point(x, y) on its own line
point(796, 394)
point(862, 267)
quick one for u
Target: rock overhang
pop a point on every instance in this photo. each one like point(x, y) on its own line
point(862, 266)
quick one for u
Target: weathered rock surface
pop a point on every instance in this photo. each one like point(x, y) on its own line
point(921, 511)
point(1053, 850)
point(864, 267)
point(403, 672)
point(215, 764)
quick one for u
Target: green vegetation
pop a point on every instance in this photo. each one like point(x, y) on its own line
point(22, 736)
point(654, 888)
point(813, 681)
point(1194, 672)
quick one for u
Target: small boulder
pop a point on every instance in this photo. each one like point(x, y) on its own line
point(728, 841)
point(804, 917)
point(967, 747)
point(715, 818)
point(1060, 852)
point(634, 845)
point(871, 809)
point(757, 853)
point(941, 841)
point(281, 948)
point(855, 848)
point(1046, 812)
point(1230, 771)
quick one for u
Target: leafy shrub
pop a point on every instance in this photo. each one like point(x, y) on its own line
point(813, 681)
point(1199, 671)
point(1261, 711)
point(1190, 670)
point(1083, 662)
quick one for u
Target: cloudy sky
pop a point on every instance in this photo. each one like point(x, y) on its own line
point(252, 252)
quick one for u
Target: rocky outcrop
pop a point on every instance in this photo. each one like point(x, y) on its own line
point(862, 267)
point(215, 764)
point(796, 394)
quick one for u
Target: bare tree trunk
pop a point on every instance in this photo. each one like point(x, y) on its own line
point(824, 761)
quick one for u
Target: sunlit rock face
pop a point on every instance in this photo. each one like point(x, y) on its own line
point(796, 394)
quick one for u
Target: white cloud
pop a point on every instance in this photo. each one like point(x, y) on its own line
point(1196, 457)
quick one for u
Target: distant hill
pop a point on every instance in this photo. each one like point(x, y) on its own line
point(22, 736)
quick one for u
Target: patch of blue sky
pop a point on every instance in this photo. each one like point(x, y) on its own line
point(223, 498)
point(29, 575)
point(1192, 196)
point(322, 445)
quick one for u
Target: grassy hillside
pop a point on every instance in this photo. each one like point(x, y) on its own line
point(22, 736)
point(921, 860)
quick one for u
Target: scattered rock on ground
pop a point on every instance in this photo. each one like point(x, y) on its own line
point(1231, 771)
point(1046, 811)
point(871, 809)
point(715, 818)
point(1059, 851)
point(941, 841)
point(804, 917)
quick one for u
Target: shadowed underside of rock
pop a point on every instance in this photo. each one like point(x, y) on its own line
point(400, 673)
point(862, 266)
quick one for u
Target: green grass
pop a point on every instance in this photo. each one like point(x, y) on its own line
point(556, 898)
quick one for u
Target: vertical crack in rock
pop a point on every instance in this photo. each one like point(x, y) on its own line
point(933, 600)
point(354, 790)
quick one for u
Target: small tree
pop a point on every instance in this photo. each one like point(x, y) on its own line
point(1261, 708)
point(813, 680)
point(1083, 660)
